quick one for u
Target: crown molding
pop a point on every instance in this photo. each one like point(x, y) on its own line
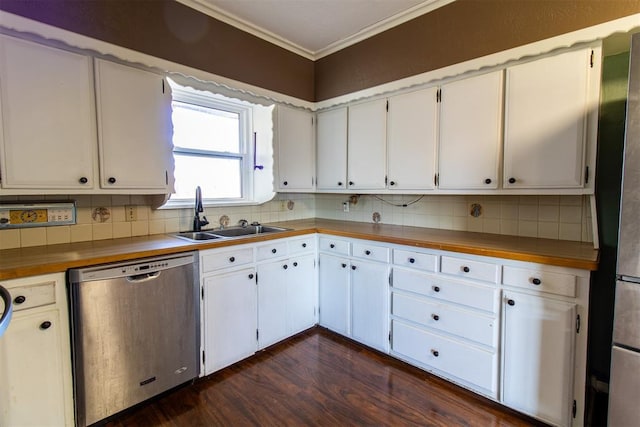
point(215, 12)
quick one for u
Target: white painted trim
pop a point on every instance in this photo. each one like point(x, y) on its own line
point(585, 35)
point(246, 26)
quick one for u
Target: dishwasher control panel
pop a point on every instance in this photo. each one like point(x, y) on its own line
point(131, 268)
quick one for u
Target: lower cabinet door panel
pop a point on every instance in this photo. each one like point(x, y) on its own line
point(470, 364)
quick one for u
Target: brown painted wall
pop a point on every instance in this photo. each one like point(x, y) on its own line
point(170, 30)
point(459, 31)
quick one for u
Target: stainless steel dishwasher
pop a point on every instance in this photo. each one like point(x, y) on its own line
point(135, 332)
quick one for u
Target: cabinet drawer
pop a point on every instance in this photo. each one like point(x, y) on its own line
point(539, 280)
point(371, 252)
point(306, 244)
point(30, 296)
point(474, 296)
point(476, 270)
point(275, 249)
point(334, 246)
point(465, 324)
point(224, 259)
point(465, 362)
point(426, 262)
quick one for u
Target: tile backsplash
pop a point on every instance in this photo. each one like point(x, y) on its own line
point(103, 217)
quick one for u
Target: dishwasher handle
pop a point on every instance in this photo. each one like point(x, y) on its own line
point(8, 310)
point(144, 277)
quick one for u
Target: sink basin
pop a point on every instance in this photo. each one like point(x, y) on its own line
point(197, 235)
point(250, 230)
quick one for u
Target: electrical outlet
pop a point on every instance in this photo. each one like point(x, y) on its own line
point(345, 207)
point(131, 213)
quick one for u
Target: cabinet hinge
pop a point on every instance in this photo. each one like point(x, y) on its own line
point(312, 121)
point(203, 357)
point(166, 177)
point(391, 278)
point(574, 409)
point(586, 174)
point(439, 95)
point(578, 324)
point(387, 105)
point(591, 58)
point(162, 85)
point(256, 278)
point(257, 335)
point(389, 336)
point(436, 179)
point(202, 292)
point(385, 180)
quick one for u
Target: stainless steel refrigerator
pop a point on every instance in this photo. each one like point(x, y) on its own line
point(624, 385)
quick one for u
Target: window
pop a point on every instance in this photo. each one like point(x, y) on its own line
point(212, 149)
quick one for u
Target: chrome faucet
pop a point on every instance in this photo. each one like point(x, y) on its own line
point(197, 222)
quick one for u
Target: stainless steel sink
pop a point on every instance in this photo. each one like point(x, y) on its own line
point(197, 235)
point(249, 230)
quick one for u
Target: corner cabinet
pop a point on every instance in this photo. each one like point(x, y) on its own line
point(35, 355)
point(134, 128)
point(296, 149)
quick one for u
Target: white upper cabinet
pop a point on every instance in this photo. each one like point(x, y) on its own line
point(295, 150)
point(331, 151)
point(47, 128)
point(546, 107)
point(470, 132)
point(411, 139)
point(134, 128)
point(367, 147)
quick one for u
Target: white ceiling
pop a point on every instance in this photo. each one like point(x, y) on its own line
point(314, 28)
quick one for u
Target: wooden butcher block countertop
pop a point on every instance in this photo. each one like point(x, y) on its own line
point(32, 261)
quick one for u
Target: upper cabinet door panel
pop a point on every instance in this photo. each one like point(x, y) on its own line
point(135, 131)
point(48, 136)
point(367, 145)
point(471, 132)
point(545, 121)
point(411, 128)
point(295, 149)
point(331, 151)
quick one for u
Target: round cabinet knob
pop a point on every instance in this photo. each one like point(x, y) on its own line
point(285, 183)
point(111, 180)
point(412, 260)
point(435, 353)
point(465, 269)
point(19, 299)
point(344, 265)
point(392, 183)
point(435, 317)
point(536, 281)
point(251, 276)
point(83, 180)
point(295, 264)
point(512, 180)
point(367, 252)
point(350, 182)
point(436, 288)
point(304, 245)
point(339, 183)
point(353, 267)
point(45, 325)
point(487, 181)
point(285, 266)
point(332, 246)
point(274, 250)
point(232, 259)
point(511, 302)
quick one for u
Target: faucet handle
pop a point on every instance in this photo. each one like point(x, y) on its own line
point(255, 223)
point(204, 221)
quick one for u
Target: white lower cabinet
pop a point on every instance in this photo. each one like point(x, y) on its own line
point(35, 355)
point(369, 304)
point(538, 356)
point(334, 293)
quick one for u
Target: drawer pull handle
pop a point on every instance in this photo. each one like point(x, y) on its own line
point(412, 260)
point(285, 266)
point(367, 252)
point(295, 264)
point(304, 245)
point(511, 302)
point(344, 265)
point(435, 353)
point(45, 325)
point(536, 281)
point(19, 299)
point(232, 259)
point(251, 276)
point(353, 267)
point(466, 269)
point(435, 317)
point(332, 246)
point(274, 250)
point(436, 288)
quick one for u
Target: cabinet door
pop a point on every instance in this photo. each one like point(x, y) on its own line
point(538, 350)
point(334, 293)
point(470, 132)
point(366, 158)
point(31, 372)
point(272, 302)
point(369, 304)
point(412, 140)
point(295, 150)
point(230, 306)
point(134, 128)
point(331, 149)
point(302, 294)
point(48, 137)
point(545, 114)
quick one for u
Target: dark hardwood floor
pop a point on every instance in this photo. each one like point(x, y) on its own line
point(320, 379)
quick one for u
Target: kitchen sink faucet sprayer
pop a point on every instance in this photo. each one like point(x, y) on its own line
point(197, 222)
